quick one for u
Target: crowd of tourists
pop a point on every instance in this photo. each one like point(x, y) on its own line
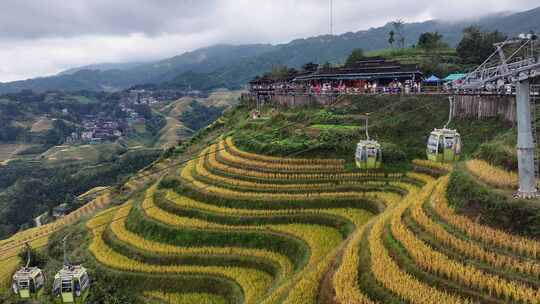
point(328, 88)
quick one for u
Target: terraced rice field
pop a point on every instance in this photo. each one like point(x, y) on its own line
point(492, 175)
point(421, 250)
point(38, 237)
point(8, 151)
point(43, 124)
point(235, 227)
point(268, 229)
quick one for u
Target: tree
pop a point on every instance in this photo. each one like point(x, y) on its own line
point(60, 131)
point(391, 38)
point(430, 41)
point(399, 28)
point(476, 46)
point(327, 65)
point(355, 56)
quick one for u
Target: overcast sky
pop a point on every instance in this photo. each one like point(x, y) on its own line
point(44, 37)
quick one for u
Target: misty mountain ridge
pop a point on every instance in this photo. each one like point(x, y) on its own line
point(231, 66)
point(105, 66)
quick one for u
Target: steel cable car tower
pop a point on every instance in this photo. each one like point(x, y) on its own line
point(501, 73)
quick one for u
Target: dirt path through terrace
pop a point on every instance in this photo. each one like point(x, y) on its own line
point(327, 294)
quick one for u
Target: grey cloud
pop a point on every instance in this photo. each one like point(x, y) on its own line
point(30, 19)
point(43, 37)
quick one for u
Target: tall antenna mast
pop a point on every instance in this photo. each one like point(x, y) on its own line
point(332, 17)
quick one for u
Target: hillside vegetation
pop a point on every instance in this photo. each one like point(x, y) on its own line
point(273, 211)
point(401, 124)
point(416, 55)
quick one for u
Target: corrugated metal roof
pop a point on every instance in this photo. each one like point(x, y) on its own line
point(455, 76)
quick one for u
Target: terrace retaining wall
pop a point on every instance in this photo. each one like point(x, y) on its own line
point(303, 100)
point(486, 106)
point(466, 106)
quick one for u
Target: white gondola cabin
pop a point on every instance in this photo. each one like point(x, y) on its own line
point(368, 152)
point(71, 284)
point(368, 155)
point(27, 282)
point(444, 145)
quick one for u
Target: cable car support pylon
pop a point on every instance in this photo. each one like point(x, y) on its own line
point(520, 69)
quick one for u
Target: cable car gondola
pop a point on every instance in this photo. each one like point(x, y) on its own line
point(28, 281)
point(71, 283)
point(444, 145)
point(368, 152)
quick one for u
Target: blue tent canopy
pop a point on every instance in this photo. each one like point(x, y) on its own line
point(433, 79)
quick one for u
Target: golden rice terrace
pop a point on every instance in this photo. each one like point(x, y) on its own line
point(232, 226)
point(237, 227)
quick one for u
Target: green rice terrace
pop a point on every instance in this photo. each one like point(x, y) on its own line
point(275, 210)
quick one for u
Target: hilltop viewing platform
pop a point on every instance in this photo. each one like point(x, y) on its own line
point(371, 75)
point(368, 76)
point(377, 76)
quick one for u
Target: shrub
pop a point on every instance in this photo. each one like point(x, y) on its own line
point(392, 154)
point(497, 154)
point(169, 182)
point(492, 208)
point(500, 151)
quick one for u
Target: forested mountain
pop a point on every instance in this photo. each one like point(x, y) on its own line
point(95, 78)
point(231, 66)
